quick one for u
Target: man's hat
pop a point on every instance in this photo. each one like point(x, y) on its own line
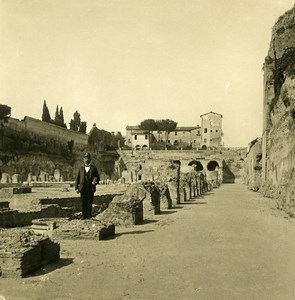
point(87, 154)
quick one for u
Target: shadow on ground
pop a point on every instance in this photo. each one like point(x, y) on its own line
point(167, 212)
point(63, 262)
point(194, 202)
point(133, 232)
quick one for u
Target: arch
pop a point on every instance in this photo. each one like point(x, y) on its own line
point(137, 147)
point(198, 165)
point(204, 147)
point(212, 165)
point(144, 147)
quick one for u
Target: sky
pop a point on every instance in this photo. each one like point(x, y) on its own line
point(118, 62)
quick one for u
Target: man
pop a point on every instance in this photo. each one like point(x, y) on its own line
point(86, 182)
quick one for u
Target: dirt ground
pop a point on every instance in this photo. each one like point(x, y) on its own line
point(230, 244)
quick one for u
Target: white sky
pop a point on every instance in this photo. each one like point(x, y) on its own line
point(120, 62)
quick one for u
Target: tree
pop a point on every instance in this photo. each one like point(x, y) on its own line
point(119, 139)
point(76, 121)
point(83, 127)
point(5, 112)
point(59, 118)
point(45, 114)
point(167, 126)
point(56, 118)
point(148, 124)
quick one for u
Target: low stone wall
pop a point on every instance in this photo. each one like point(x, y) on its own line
point(14, 218)
point(8, 192)
point(75, 202)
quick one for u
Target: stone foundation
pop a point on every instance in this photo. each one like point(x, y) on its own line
point(86, 229)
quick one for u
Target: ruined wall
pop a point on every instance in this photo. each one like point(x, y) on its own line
point(278, 145)
point(253, 167)
point(141, 165)
point(36, 150)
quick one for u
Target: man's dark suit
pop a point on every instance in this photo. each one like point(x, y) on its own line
point(86, 185)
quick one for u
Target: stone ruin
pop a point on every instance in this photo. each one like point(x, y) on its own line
point(271, 169)
point(24, 252)
point(126, 209)
point(147, 198)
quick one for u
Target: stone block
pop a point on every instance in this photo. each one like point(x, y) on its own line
point(123, 210)
point(4, 205)
point(106, 231)
point(43, 226)
point(15, 178)
point(23, 252)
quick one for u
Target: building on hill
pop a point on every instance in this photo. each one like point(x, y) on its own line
point(212, 134)
point(208, 135)
point(137, 139)
point(182, 136)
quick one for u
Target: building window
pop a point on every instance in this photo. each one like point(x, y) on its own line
point(129, 141)
point(205, 140)
point(146, 137)
point(211, 130)
point(195, 141)
point(135, 137)
point(205, 130)
point(216, 130)
point(211, 140)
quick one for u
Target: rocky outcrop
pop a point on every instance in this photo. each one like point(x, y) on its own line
point(278, 143)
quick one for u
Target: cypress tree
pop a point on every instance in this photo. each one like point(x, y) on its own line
point(45, 114)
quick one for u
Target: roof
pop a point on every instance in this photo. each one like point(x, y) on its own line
point(143, 132)
point(132, 127)
point(211, 112)
point(186, 128)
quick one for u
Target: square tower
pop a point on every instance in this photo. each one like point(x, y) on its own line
point(211, 125)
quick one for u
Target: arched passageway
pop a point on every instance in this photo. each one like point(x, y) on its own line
point(212, 165)
point(198, 165)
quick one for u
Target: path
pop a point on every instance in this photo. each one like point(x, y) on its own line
point(231, 244)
